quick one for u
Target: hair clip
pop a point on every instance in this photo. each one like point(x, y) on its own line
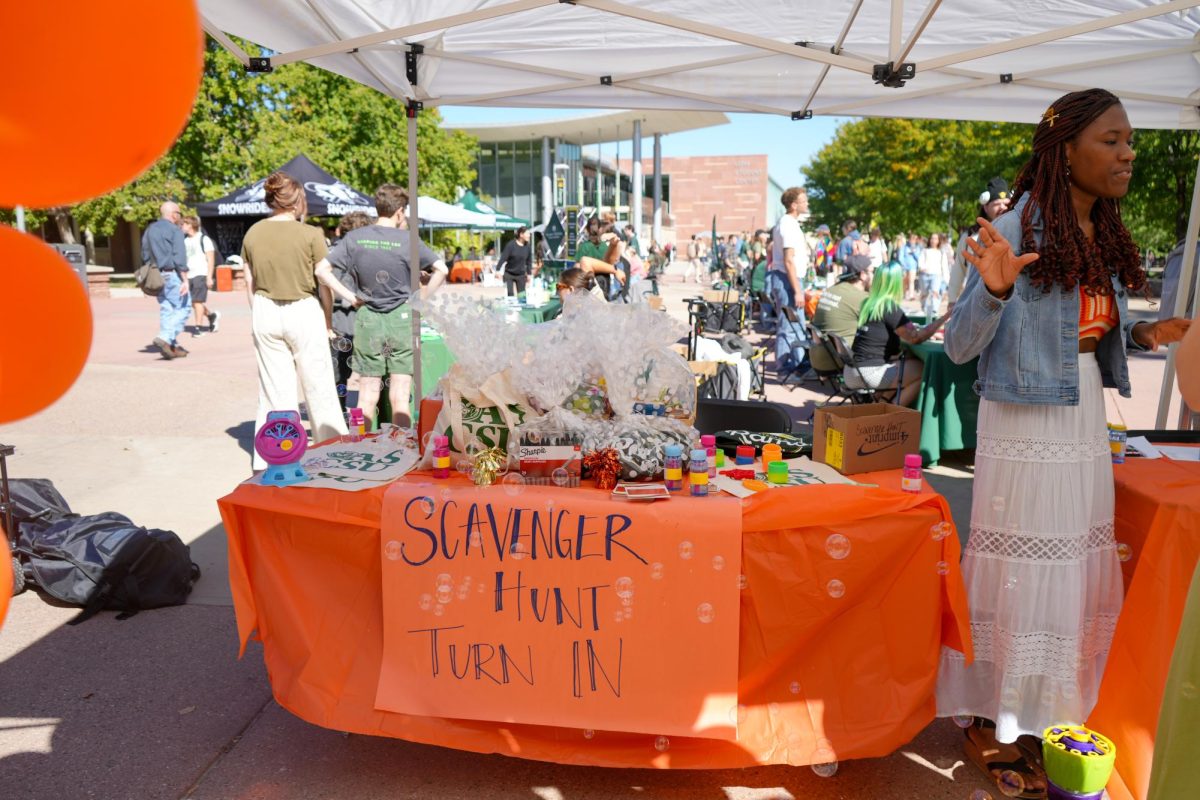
point(1050, 116)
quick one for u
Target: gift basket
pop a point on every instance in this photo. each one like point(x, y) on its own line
point(598, 390)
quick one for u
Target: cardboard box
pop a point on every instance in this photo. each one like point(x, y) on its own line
point(865, 438)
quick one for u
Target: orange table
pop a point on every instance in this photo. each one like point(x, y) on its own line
point(464, 271)
point(819, 676)
point(1158, 517)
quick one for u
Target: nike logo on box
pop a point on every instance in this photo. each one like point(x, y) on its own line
point(862, 452)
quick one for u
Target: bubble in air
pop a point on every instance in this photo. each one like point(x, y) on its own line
point(656, 571)
point(341, 390)
point(940, 531)
point(1011, 582)
point(473, 448)
point(560, 476)
point(588, 733)
point(1010, 783)
point(628, 612)
point(718, 563)
point(439, 610)
point(464, 467)
point(519, 551)
point(743, 582)
point(425, 602)
point(1010, 697)
point(825, 769)
point(392, 550)
point(794, 687)
point(444, 594)
point(980, 794)
point(837, 546)
point(942, 568)
point(662, 744)
point(998, 504)
point(705, 613)
point(443, 579)
point(427, 440)
point(835, 588)
point(738, 714)
point(513, 484)
point(686, 550)
point(1124, 551)
point(426, 505)
point(963, 720)
point(624, 588)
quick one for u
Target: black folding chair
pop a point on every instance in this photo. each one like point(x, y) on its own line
point(832, 378)
point(742, 415)
point(865, 394)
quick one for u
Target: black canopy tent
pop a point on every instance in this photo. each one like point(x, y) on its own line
point(227, 219)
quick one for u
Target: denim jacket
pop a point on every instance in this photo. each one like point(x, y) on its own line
point(1028, 344)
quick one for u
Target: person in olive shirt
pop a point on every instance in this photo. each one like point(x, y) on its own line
point(376, 258)
point(279, 255)
point(839, 306)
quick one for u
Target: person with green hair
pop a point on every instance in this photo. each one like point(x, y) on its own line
point(882, 325)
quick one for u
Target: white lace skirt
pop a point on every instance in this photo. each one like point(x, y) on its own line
point(1041, 568)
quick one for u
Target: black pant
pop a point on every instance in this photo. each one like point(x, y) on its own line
point(514, 284)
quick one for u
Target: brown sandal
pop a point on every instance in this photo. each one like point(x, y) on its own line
point(1014, 773)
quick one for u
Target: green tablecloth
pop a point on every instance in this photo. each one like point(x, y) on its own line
point(549, 311)
point(948, 404)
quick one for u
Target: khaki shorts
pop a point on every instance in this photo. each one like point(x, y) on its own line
point(382, 342)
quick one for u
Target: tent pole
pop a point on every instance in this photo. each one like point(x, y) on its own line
point(1188, 276)
point(635, 168)
point(414, 257)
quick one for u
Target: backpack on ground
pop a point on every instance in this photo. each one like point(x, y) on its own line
point(104, 561)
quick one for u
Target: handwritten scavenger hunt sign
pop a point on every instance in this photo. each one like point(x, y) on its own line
point(560, 607)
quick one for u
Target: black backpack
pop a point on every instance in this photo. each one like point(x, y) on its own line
point(101, 561)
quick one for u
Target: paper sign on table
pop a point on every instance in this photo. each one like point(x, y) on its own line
point(560, 607)
point(354, 466)
point(1180, 453)
point(1141, 445)
point(802, 471)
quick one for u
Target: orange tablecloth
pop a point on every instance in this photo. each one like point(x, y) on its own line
point(850, 676)
point(464, 271)
point(1158, 516)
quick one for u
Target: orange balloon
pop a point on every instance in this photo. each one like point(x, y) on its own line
point(45, 325)
point(93, 94)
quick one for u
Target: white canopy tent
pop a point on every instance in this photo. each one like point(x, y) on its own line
point(940, 59)
point(437, 214)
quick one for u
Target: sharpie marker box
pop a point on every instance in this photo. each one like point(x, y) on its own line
point(865, 438)
point(540, 455)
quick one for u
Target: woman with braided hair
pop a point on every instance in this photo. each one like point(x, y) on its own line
point(1046, 311)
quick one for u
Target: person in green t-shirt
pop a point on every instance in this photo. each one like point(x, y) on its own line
point(599, 252)
point(839, 307)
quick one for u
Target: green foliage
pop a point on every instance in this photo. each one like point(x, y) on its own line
point(1160, 196)
point(897, 173)
point(244, 125)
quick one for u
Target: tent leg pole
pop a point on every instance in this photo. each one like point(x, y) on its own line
point(414, 260)
point(1188, 277)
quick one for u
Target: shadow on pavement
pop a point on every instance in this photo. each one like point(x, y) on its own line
point(243, 432)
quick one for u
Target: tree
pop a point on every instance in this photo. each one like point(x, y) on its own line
point(900, 174)
point(1159, 200)
point(244, 125)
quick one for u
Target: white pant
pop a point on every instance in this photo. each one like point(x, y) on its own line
point(290, 341)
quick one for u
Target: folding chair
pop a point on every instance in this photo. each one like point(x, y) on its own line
point(791, 346)
point(865, 394)
point(832, 378)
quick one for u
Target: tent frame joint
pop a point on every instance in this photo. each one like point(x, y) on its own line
point(411, 56)
point(805, 114)
point(412, 108)
point(606, 80)
point(260, 64)
point(1006, 77)
point(892, 76)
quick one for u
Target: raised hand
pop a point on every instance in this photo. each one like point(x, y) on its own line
point(993, 257)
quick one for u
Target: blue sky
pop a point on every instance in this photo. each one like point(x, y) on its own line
point(788, 145)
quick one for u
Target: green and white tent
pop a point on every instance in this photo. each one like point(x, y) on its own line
point(500, 221)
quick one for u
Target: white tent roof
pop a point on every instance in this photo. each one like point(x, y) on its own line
point(436, 213)
point(716, 55)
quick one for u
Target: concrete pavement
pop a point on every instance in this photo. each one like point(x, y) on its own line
point(158, 706)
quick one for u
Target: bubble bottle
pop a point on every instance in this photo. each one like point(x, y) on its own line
point(673, 467)
point(911, 478)
point(708, 442)
point(358, 424)
point(441, 456)
point(698, 474)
